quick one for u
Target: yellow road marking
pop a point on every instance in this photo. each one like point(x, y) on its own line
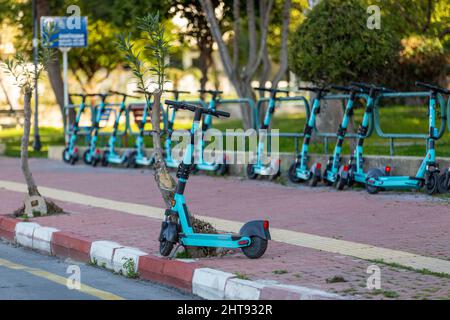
point(348, 248)
point(60, 280)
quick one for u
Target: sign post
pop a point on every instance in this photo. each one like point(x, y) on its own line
point(67, 32)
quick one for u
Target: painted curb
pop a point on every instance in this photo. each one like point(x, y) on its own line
point(102, 253)
point(42, 238)
point(24, 233)
point(189, 276)
point(8, 228)
point(239, 289)
point(121, 255)
point(210, 283)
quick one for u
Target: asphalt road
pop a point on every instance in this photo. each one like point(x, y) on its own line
point(25, 274)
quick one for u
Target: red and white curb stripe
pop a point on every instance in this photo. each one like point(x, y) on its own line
point(189, 276)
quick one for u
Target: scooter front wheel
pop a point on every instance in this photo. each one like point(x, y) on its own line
point(256, 248)
point(251, 172)
point(86, 158)
point(66, 156)
point(292, 173)
point(165, 247)
point(432, 184)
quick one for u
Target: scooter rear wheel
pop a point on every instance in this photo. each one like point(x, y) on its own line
point(341, 184)
point(165, 247)
point(105, 159)
point(222, 169)
point(443, 187)
point(256, 248)
point(374, 173)
point(314, 180)
point(131, 162)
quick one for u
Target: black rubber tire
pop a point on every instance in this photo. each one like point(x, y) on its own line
point(251, 172)
point(165, 247)
point(432, 186)
point(131, 162)
point(374, 173)
point(275, 176)
point(222, 169)
point(105, 162)
point(95, 161)
point(65, 159)
point(340, 185)
point(292, 173)
point(314, 180)
point(85, 157)
point(442, 188)
point(256, 248)
point(73, 159)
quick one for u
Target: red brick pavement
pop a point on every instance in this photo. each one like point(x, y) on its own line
point(408, 222)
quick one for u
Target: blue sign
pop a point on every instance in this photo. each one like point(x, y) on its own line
point(64, 32)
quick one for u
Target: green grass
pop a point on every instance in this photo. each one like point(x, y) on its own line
point(421, 271)
point(12, 138)
point(394, 119)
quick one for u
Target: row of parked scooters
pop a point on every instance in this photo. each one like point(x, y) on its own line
point(334, 172)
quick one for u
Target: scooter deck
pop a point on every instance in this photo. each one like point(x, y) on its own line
point(224, 240)
point(395, 182)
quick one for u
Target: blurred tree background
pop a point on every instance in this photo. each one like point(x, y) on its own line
point(328, 42)
point(334, 45)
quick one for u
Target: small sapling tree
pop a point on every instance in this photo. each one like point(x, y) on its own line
point(149, 67)
point(26, 75)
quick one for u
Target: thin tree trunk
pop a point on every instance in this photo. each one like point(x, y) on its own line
point(284, 43)
point(166, 184)
point(54, 66)
point(31, 184)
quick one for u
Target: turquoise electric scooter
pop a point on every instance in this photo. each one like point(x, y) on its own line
point(92, 156)
point(272, 168)
point(219, 168)
point(333, 169)
point(110, 155)
point(177, 228)
point(70, 153)
point(137, 157)
point(170, 162)
point(299, 170)
point(353, 172)
point(428, 174)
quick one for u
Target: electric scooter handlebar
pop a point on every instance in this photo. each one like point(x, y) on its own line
point(314, 89)
point(122, 94)
point(177, 91)
point(271, 89)
point(373, 87)
point(193, 108)
point(432, 87)
point(213, 92)
point(347, 88)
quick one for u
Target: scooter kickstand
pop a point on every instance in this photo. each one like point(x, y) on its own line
point(174, 252)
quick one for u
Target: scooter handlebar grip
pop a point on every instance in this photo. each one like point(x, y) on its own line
point(222, 113)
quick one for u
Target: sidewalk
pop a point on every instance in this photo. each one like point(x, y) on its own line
point(408, 222)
